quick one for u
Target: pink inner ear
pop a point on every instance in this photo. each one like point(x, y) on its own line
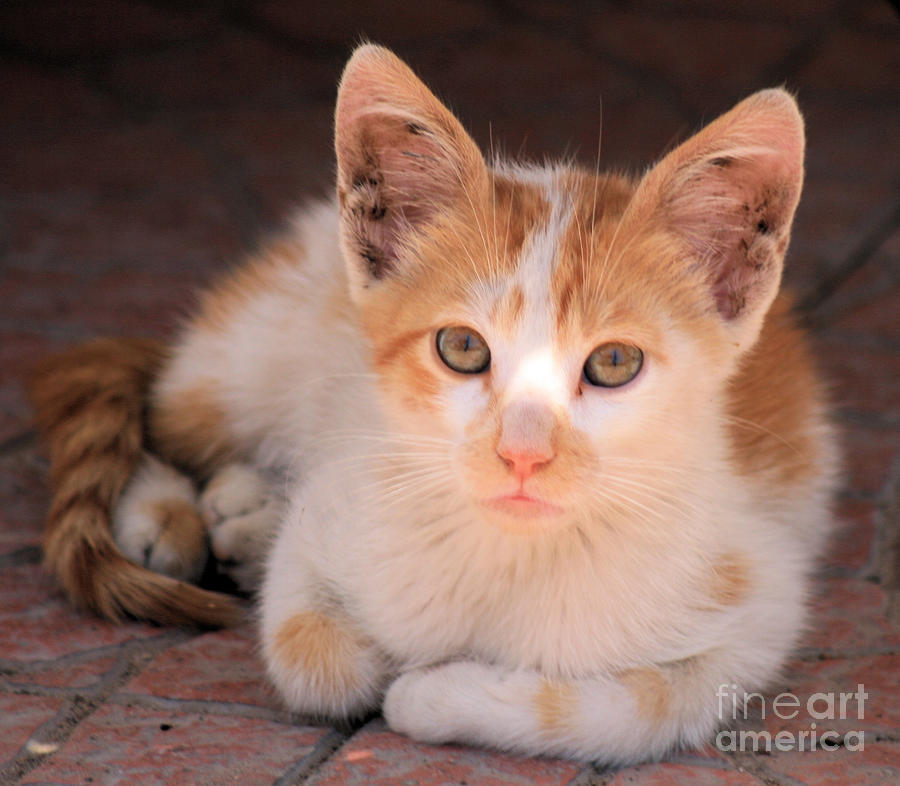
point(402, 157)
point(735, 214)
point(730, 192)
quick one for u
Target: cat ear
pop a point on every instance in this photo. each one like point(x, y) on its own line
point(402, 159)
point(730, 193)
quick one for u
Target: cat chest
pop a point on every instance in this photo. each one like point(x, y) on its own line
point(563, 616)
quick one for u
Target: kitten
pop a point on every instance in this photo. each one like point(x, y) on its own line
point(538, 458)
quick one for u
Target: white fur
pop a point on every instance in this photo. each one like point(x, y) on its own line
point(463, 620)
point(137, 529)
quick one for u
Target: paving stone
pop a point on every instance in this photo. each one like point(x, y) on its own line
point(869, 454)
point(129, 744)
point(221, 666)
point(668, 774)
point(826, 226)
point(23, 489)
point(65, 673)
point(850, 545)
point(866, 303)
point(376, 755)
point(37, 623)
point(878, 764)
point(21, 716)
point(864, 375)
point(818, 687)
point(847, 618)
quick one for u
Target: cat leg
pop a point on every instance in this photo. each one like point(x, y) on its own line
point(317, 657)
point(156, 522)
point(242, 513)
point(636, 715)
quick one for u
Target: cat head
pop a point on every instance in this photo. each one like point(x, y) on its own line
point(569, 333)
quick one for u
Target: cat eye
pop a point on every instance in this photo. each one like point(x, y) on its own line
point(613, 364)
point(463, 350)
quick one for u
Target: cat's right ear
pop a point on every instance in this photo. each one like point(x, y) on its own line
point(729, 194)
point(403, 159)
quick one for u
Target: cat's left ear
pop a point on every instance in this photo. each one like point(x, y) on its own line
point(403, 161)
point(729, 194)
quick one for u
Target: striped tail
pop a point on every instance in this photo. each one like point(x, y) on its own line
point(90, 403)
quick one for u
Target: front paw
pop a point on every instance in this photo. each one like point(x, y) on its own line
point(411, 706)
point(241, 518)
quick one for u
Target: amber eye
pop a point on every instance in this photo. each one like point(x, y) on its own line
point(463, 350)
point(613, 364)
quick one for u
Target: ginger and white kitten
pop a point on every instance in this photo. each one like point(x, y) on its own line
point(542, 456)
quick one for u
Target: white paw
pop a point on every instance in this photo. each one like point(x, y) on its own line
point(156, 523)
point(240, 544)
point(235, 490)
point(242, 518)
point(417, 705)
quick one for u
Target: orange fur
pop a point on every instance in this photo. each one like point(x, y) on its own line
point(182, 527)
point(320, 648)
point(88, 404)
point(730, 580)
point(651, 692)
point(555, 703)
point(190, 429)
point(774, 413)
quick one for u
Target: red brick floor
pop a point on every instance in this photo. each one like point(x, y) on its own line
point(144, 145)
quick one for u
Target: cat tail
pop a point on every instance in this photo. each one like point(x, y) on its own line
point(89, 403)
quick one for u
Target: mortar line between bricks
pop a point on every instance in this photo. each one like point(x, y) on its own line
point(222, 708)
point(594, 775)
point(749, 764)
point(50, 736)
point(17, 442)
point(152, 644)
point(24, 555)
point(324, 749)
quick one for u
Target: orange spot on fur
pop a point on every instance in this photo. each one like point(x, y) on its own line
point(730, 580)
point(189, 428)
point(508, 309)
point(651, 692)
point(555, 704)
point(181, 527)
point(775, 414)
point(320, 648)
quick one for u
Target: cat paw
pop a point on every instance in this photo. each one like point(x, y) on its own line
point(235, 490)
point(417, 704)
point(156, 523)
point(241, 518)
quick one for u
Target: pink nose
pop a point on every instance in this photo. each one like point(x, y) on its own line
point(524, 462)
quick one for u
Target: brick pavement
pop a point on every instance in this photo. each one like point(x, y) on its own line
point(144, 145)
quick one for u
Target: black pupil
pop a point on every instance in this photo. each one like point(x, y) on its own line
point(466, 344)
point(616, 358)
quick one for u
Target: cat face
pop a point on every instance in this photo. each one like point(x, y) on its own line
point(566, 336)
point(556, 369)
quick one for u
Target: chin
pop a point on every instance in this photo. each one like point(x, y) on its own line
point(519, 515)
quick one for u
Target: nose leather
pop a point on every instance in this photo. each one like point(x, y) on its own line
point(526, 440)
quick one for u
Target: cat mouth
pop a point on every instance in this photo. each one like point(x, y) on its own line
point(523, 505)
